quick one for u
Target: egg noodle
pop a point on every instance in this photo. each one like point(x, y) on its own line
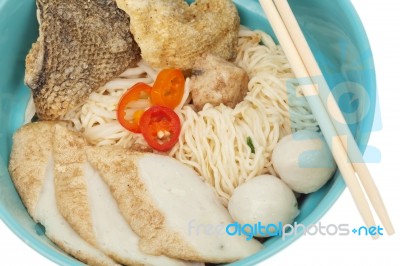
point(225, 146)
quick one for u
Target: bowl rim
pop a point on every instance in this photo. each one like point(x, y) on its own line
point(325, 205)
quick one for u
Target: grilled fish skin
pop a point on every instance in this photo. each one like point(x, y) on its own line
point(82, 44)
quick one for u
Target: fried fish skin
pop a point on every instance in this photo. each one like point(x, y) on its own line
point(173, 34)
point(82, 44)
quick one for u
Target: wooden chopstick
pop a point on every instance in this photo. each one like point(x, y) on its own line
point(334, 141)
point(334, 111)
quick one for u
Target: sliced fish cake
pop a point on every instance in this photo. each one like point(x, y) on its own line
point(167, 205)
point(32, 170)
point(88, 205)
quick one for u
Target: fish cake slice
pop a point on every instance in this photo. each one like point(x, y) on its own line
point(168, 205)
point(32, 171)
point(87, 204)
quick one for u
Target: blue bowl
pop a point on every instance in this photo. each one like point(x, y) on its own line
point(334, 33)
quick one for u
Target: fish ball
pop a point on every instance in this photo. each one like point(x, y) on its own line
point(304, 161)
point(266, 199)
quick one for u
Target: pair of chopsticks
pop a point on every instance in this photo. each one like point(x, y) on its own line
point(332, 123)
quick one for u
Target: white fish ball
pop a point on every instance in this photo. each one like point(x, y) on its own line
point(266, 199)
point(303, 160)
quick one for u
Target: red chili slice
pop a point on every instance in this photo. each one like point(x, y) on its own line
point(160, 127)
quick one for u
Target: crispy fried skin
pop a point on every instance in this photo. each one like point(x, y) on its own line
point(82, 44)
point(172, 34)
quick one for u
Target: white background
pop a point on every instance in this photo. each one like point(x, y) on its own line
point(380, 19)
